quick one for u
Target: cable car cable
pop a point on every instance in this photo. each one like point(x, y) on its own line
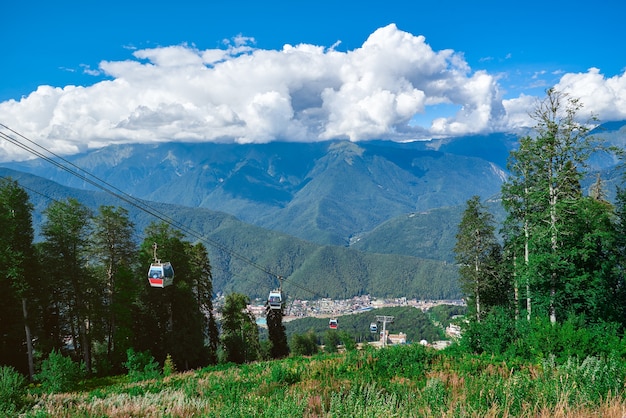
point(137, 203)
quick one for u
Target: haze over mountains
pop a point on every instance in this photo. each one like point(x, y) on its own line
point(336, 217)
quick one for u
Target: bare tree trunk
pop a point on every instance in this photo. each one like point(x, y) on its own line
point(526, 261)
point(84, 339)
point(29, 341)
point(515, 288)
point(477, 291)
point(554, 245)
point(73, 332)
point(111, 324)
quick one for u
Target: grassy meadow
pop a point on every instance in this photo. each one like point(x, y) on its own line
point(397, 381)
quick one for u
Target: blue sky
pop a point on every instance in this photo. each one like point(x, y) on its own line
point(356, 70)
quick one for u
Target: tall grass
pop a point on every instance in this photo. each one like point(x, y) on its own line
point(404, 381)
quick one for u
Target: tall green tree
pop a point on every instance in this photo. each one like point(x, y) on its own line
point(518, 199)
point(277, 333)
point(541, 194)
point(18, 264)
point(154, 321)
point(113, 251)
point(176, 320)
point(478, 254)
point(202, 288)
point(593, 287)
point(618, 296)
point(66, 231)
point(240, 334)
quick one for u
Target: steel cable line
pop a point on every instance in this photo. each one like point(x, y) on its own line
point(107, 187)
point(30, 189)
point(133, 201)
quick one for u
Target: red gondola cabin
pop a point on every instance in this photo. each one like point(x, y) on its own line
point(161, 274)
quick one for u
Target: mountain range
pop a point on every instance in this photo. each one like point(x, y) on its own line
point(335, 218)
point(325, 192)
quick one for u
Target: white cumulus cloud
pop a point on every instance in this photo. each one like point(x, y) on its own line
point(600, 96)
point(299, 93)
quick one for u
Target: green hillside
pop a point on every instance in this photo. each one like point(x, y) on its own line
point(430, 234)
point(241, 254)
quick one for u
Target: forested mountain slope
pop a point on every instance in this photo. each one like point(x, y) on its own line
point(430, 234)
point(237, 250)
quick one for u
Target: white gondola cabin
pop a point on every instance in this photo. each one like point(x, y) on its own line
point(333, 324)
point(373, 327)
point(275, 299)
point(161, 274)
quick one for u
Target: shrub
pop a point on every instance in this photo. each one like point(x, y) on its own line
point(499, 334)
point(141, 365)
point(364, 400)
point(572, 338)
point(331, 341)
point(495, 334)
point(304, 345)
point(435, 395)
point(348, 341)
point(12, 391)
point(169, 367)
point(595, 379)
point(60, 373)
point(408, 361)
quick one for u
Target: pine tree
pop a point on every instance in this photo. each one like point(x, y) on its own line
point(478, 254)
point(202, 287)
point(240, 334)
point(19, 269)
point(176, 320)
point(618, 295)
point(66, 231)
point(277, 333)
point(113, 250)
point(154, 324)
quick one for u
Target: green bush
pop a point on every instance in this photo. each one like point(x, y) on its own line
point(499, 334)
point(141, 365)
point(60, 373)
point(574, 338)
point(304, 344)
point(495, 334)
point(331, 341)
point(408, 361)
point(12, 391)
point(364, 400)
point(349, 344)
point(593, 379)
